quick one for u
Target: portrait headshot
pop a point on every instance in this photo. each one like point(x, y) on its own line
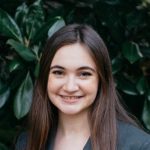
point(75, 104)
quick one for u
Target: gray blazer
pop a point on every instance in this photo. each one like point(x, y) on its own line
point(129, 138)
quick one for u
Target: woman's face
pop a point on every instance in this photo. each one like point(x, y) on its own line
point(73, 79)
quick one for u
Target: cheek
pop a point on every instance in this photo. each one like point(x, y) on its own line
point(50, 86)
point(91, 87)
point(51, 89)
point(53, 85)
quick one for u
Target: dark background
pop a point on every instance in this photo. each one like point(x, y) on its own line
point(123, 24)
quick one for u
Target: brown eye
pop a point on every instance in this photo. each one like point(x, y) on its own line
point(85, 74)
point(58, 73)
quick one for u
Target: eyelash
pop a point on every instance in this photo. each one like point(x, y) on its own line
point(58, 72)
point(81, 74)
point(85, 74)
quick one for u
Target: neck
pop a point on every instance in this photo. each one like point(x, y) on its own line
point(74, 125)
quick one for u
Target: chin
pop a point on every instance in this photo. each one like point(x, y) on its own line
point(70, 112)
point(73, 111)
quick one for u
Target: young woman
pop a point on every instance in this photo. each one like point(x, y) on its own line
point(75, 105)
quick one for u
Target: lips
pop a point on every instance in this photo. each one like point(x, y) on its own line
point(70, 99)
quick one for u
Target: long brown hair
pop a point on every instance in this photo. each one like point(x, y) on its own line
point(106, 109)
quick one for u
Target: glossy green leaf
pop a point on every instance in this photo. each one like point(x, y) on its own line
point(4, 93)
point(142, 85)
point(35, 50)
point(8, 26)
point(131, 52)
point(23, 98)
point(15, 65)
point(148, 95)
point(146, 114)
point(56, 26)
point(4, 96)
point(23, 51)
point(116, 65)
point(42, 32)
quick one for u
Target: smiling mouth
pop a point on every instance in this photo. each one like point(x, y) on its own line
point(71, 99)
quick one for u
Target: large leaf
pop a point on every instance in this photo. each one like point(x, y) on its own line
point(131, 52)
point(8, 26)
point(23, 51)
point(4, 93)
point(117, 64)
point(142, 85)
point(42, 32)
point(146, 114)
point(23, 98)
point(56, 26)
point(148, 95)
point(4, 96)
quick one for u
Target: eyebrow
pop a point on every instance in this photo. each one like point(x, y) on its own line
point(56, 67)
point(80, 68)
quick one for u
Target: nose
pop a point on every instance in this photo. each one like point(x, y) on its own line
point(71, 84)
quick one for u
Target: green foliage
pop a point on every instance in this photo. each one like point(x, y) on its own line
point(9, 27)
point(4, 93)
point(131, 52)
point(23, 98)
point(22, 50)
point(124, 26)
point(57, 25)
point(25, 35)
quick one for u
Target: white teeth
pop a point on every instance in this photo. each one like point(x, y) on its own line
point(71, 97)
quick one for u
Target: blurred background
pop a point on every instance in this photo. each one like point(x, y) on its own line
point(25, 25)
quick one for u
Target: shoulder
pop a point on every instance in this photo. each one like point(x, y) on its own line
point(132, 138)
point(21, 141)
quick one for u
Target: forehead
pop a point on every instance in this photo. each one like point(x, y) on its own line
point(73, 55)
